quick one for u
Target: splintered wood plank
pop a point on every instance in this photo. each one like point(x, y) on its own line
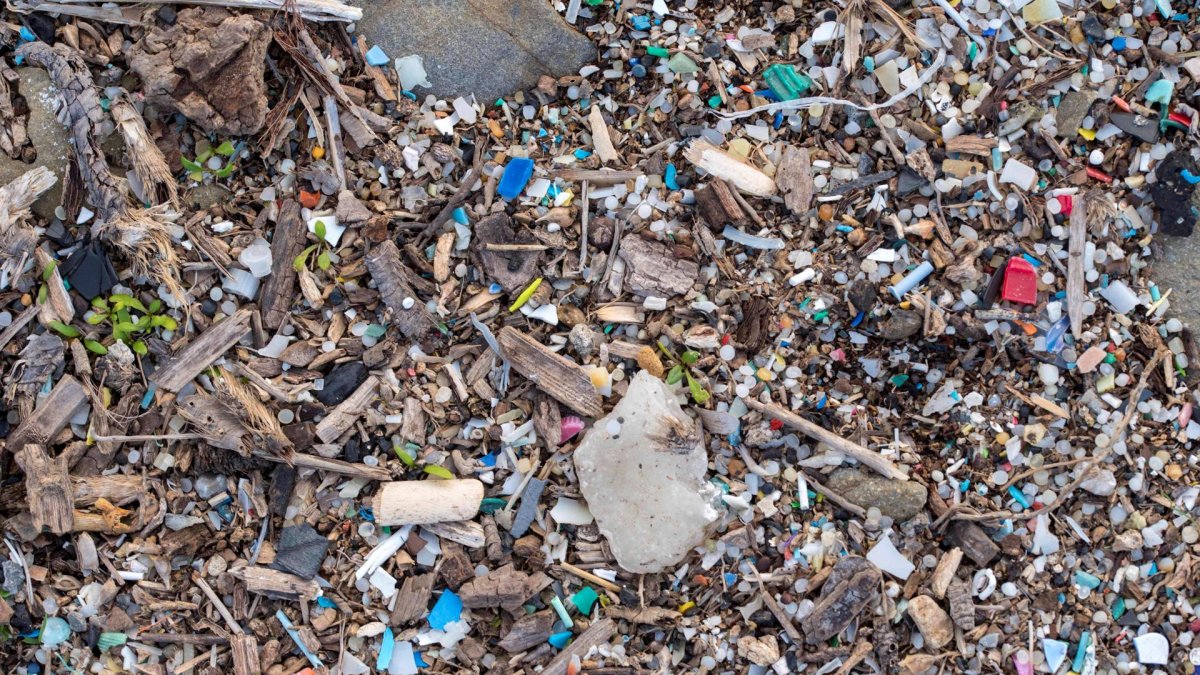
point(276, 584)
point(340, 418)
point(597, 634)
point(794, 178)
point(47, 489)
point(202, 351)
point(413, 599)
point(279, 289)
point(51, 416)
point(391, 278)
point(556, 375)
point(245, 655)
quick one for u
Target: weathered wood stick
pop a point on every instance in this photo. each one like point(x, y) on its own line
point(47, 489)
point(419, 502)
point(863, 455)
point(554, 374)
point(595, 177)
point(279, 289)
point(467, 532)
point(597, 634)
point(201, 352)
point(340, 418)
point(51, 416)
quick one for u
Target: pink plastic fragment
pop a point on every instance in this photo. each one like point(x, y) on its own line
point(571, 425)
point(1185, 415)
point(1023, 667)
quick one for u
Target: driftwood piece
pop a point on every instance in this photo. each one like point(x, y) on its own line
point(202, 351)
point(601, 139)
point(794, 178)
point(947, 567)
point(17, 241)
point(275, 584)
point(456, 567)
point(602, 177)
point(343, 416)
point(279, 289)
point(971, 145)
point(19, 322)
point(725, 166)
point(501, 251)
point(51, 416)
point(862, 455)
point(244, 648)
point(48, 489)
point(504, 587)
point(556, 375)
point(312, 10)
point(529, 631)
point(718, 206)
point(465, 532)
point(653, 616)
point(391, 277)
point(413, 427)
point(419, 502)
point(412, 599)
point(653, 269)
point(597, 634)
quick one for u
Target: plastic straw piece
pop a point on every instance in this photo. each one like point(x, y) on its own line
point(737, 236)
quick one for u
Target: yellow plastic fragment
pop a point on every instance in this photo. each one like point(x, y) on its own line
point(1089, 134)
point(525, 295)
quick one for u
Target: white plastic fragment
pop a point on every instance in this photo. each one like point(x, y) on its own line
point(1120, 296)
point(1018, 173)
point(240, 282)
point(570, 512)
point(411, 71)
point(257, 258)
point(333, 231)
point(1056, 653)
point(646, 483)
point(1152, 649)
point(1044, 541)
point(547, 313)
point(725, 166)
point(887, 558)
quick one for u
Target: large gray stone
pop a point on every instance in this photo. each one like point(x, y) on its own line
point(900, 500)
point(489, 48)
point(48, 136)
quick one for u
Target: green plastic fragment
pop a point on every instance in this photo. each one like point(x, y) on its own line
point(714, 101)
point(109, 640)
point(1118, 608)
point(899, 380)
point(820, 316)
point(655, 50)
point(785, 82)
point(584, 599)
point(1160, 92)
point(491, 504)
point(682, 64)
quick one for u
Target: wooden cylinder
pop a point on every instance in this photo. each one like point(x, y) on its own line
point(418, 502)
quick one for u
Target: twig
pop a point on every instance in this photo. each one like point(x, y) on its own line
point(588, 576)
point(456, 199)
point(220, 606)
point(835, 497)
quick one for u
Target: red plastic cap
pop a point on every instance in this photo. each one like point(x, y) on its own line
point(1020, 282)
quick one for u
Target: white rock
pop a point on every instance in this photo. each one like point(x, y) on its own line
point(1101, 483)
point(645, 485)
point(1152, 648)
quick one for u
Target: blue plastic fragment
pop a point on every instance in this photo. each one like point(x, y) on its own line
point(460, 216)
point(669, 177)
point(386, 649)
point(488, 460)
point(495, 288)
point(640, 22)
point(377, 57)
point(582, 154)
point(448, 608)
point(560, 640)
point(149, 397)
point(27, 35)
point(1019, 496)
point(730, 579)
point(326, 603)
point(1190, 177)
point(1118, 44)
point(420, 661)
point(516, 175)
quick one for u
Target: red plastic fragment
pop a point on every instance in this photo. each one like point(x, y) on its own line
point(1020, 282)
point(1067, 204)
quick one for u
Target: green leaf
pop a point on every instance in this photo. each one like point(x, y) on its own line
point(97, 318)
point(689, 357)
point(95, 347)
point(143, 322)
point(127, 301)
point(49, 270)
point(190, 165)
point(123, 329)
point(197, 176)
point(698, 394)
point(43, 292)
point(139, 348)
point(155, 306)
point(63, 329)
point(226, 149)
point(675, 375)
point(123, 315)
point(100, 304)
point(408, 459)
point(225, 171)
point(323, 260)
point(439, 472)
point(204, 156)
point(319, 228)
point(302, 259)
point(165, 322)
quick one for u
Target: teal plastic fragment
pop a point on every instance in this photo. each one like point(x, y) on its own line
point(560, 640)
point(1160, 92)
point(584, 600)
point(785, 82)
point(1086, 580)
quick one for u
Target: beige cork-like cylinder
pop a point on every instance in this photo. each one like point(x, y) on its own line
point(419, 502)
